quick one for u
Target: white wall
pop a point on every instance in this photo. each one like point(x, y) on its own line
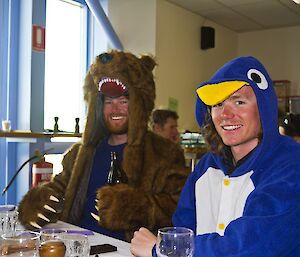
point(134, 21)
point(172, 35)
point(278, 50)
point(182, 63)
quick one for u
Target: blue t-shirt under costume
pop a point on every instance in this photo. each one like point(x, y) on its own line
point(98, 178)
point(253, 210)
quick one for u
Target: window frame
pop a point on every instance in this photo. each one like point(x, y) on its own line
point(10, 11)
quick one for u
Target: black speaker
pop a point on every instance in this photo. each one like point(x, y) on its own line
point(207, 37)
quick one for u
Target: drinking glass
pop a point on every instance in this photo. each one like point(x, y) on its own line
point(6, 125)
point(76, 245)
point(8, 218)
point(20, 243)
point(175, 242)
point(51, 233)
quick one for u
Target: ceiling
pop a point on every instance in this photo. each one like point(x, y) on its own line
point(245, 15)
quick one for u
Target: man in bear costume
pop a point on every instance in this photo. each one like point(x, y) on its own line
point(155, 167)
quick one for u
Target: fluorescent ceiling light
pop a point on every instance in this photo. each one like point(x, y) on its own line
point(296, 1)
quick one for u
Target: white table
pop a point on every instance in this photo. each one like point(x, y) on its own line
point(123, 247)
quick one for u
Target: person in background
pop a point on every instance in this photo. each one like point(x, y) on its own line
point(119, 92)
point(164, 123)
point(243, 197)
point(290, 126)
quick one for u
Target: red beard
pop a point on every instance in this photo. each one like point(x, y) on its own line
point(117, 129)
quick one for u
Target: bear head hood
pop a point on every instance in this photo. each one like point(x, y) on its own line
point(134, 75)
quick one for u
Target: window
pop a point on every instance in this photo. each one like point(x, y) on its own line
point(65, 64)
point(70, 28)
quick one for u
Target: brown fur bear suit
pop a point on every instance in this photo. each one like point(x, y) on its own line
point(155, 166)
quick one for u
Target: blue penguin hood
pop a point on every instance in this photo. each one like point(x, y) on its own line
point(230, 78)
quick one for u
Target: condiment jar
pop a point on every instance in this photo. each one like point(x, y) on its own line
point(52, 248)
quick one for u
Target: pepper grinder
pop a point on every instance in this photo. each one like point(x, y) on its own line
point(76, 125)
point(55, 129)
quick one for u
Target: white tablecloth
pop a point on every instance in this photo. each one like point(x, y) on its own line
point(123, 247)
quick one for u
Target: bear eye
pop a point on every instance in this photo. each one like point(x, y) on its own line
point(257, 77)
point(105, 58)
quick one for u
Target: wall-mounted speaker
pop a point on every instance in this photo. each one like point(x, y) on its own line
point(207, 37)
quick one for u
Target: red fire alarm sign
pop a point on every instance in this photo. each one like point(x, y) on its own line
point(38, 38)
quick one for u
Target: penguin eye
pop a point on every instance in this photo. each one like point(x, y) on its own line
point(257, 77)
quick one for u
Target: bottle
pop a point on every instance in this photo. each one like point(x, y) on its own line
point(116, 174)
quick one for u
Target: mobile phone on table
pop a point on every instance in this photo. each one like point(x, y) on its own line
point(102, 248)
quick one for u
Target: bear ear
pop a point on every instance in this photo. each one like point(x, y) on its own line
point(148, 62)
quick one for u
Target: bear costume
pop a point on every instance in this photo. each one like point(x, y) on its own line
point(155, 166)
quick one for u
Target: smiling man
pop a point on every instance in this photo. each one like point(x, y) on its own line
point(237, 122)
point(120, 92)
point(242, 199)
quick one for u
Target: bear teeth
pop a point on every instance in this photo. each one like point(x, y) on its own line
point(110, 80)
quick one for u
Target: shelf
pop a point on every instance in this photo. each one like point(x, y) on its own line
point(282, 88)
point(29, 134)
point(32, 137)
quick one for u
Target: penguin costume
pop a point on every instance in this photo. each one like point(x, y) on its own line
point(254, 209)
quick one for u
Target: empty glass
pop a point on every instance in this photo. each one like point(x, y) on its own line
point(175, 242)
point(8, 218)
point(6, 125)
point(51, 233)
point(20, 243)
point(76, 245)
